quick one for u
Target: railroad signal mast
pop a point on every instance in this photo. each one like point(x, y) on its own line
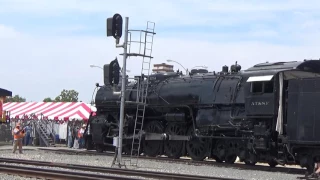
point(112, 72)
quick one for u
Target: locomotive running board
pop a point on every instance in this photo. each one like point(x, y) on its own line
point(160, 137)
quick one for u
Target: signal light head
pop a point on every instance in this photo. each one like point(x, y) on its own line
point(117, 26)
point(114, 26)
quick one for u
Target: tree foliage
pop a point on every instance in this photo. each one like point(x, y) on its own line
point(48, 99)
point(15, 98)
point(67, 96)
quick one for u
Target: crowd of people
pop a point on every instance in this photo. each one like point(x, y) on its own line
point(24, 133)
point(75, 136)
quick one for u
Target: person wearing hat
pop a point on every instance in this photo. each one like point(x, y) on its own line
point(18, 134)
point(80, 136)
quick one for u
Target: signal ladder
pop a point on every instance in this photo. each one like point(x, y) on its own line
point(145, 51)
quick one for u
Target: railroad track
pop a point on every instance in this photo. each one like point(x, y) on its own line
point(32, 172)
point(289, 170)
point(96, 169)
point(85, 152)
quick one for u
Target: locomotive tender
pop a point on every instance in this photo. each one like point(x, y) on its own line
point(267, 113)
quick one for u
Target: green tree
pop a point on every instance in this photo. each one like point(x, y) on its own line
point(48, 99)
point(15, 98)
point(67, 96)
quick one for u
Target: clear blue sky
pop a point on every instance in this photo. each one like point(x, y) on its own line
point(48, 45)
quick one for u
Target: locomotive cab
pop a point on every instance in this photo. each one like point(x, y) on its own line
point(260, 95)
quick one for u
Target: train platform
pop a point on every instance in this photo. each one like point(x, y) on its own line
point(8, 146)
point(59, 148)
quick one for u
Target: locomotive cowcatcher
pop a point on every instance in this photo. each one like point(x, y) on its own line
point(267, 113)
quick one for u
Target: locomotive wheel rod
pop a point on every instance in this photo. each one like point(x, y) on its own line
point(164, 136)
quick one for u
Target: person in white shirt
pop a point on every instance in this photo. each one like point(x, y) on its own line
point(80, 136)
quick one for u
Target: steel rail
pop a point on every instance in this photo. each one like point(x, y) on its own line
point(86, 152)
point(126, 172)
point(267, 168)
point(54, 174)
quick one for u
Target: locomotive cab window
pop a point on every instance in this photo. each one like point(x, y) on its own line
point(256, 87)
point(268, 87)
point(262, 87)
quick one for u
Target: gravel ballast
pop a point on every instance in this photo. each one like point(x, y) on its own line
point(150, 165)
point(11, 177)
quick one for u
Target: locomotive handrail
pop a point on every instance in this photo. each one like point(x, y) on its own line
point(89, 121)
point(161, 97)
point(236, 90)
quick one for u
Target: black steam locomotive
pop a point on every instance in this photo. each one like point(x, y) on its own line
point(268, 113)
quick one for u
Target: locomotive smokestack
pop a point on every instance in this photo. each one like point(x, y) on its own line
point(225, 69)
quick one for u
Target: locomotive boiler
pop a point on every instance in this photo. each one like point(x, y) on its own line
point(266, 113)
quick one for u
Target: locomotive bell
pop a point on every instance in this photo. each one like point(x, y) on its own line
point(225, 69)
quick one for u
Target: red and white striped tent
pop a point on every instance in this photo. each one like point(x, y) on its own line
point(49, 110)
